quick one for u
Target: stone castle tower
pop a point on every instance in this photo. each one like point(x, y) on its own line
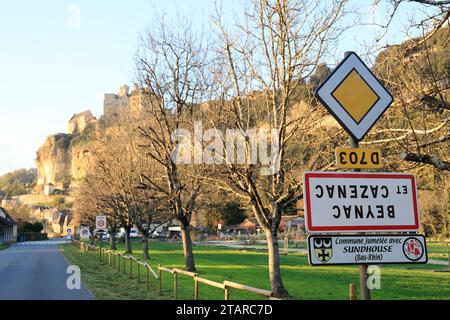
point(123, 105)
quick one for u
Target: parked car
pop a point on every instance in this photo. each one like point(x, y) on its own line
point(157, 235)
point(134, 233)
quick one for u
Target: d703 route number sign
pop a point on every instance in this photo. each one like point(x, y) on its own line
point(358, 158)
point(360, 202)
point(366, 249)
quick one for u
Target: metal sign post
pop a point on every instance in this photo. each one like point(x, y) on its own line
point(100, 234)
point(363, 275)
point(101, 245)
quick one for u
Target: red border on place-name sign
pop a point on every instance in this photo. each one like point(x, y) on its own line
point(312, 228)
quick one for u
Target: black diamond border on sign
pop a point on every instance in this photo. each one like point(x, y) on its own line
point(331, 111)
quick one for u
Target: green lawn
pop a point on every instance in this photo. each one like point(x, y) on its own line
point(3, 246)
point(303, 281)
point(437, 251)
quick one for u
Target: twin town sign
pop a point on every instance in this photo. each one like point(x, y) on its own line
point(360, 202)
point(366, 249)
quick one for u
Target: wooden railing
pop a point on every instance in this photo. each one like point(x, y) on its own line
point(226, 285)
point(110, 258)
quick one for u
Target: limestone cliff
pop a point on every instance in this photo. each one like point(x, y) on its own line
point(53, 161)
point(65, 157)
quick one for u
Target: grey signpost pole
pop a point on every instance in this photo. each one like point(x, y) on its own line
point(363, 276)
point(101, 243)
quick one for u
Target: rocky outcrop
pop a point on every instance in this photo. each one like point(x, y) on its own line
point(53, 161)
point(64, 158)
point(81, 157)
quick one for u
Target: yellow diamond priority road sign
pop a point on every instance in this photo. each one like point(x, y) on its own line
point(354, 96)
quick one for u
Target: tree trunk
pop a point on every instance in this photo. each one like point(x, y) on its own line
point(128, 241)
point(187, 248)
point(276, 283)
point(112, 240)
point(145, 246)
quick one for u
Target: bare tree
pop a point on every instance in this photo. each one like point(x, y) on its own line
point(91, 200)
point(264, 62)
point(111, 184)
point(419, 80)
point(170, 66)
point(414, 133)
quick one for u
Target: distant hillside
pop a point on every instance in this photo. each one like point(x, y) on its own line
point(435, 61)
point(18, 182)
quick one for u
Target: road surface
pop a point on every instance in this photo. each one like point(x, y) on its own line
point(36, 271)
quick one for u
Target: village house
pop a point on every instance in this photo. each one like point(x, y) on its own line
point(8, 227)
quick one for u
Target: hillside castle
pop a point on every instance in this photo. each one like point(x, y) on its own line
point(64, 156)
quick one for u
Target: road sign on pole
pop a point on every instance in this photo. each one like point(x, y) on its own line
point(84, 233)
point(354, 96)
point(326, 250)
point(100, 223)
point(360, 202)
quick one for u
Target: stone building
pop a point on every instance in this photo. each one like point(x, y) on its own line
point(116, 106)
point(9, 202)
point(8, 228)
point(55, 221)
point(124, 105)
point(79, 122)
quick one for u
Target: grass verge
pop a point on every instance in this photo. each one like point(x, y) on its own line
point(105, 282)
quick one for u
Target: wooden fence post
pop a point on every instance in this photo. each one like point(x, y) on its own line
point(286, 245)
point(352, 291)
point(159, 280)
point(138, 271)
point(124, 266)
point(227, 293)
point(175, 285)
point(196, 293)
point(131, 266)
point(147, 279)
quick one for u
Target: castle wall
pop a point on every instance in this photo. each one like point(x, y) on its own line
point(79, 122)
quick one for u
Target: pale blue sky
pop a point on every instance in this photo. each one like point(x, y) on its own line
point(50, 70)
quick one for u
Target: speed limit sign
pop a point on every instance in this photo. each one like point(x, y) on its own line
point(100, 222)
